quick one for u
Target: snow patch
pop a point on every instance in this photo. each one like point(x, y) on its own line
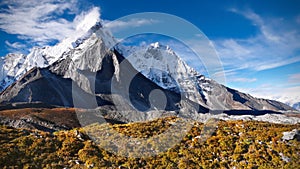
point(290, 135)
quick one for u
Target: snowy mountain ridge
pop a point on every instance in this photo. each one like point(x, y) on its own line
point(9, 67)
point(163, 66)
point(13, 66)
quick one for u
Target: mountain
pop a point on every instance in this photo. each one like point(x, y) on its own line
point(296, 106)
point(164, 67)
point(68, 77)
point(289, 99)
point(9, 67)
point(89, 73)
point(14, 66)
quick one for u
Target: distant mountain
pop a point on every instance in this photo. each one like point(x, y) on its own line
point(54, 75)
point(292, 101)
point(296, 106)
point(9, 67)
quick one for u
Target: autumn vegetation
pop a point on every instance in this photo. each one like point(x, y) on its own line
point(240, 144)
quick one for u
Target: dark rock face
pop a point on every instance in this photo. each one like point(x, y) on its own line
point(257, 103)
point(41, 85)
point(133, 85)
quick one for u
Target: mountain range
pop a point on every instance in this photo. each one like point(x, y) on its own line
point(93, 73)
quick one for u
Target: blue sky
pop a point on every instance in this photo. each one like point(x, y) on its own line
point(258, 42)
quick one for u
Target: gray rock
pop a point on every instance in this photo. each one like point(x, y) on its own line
point(290, 135)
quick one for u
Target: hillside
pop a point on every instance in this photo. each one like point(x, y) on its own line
point(240, 144)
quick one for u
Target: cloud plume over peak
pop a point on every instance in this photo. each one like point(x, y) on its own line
point(44, 21)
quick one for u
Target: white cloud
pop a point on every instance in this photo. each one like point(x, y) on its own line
point(136, 22)
point(244, 80)
point(43, 21)
point(294, 78)
point(288, 94)
point(263, 66)
point(86, 20)
point(276, 44)
point(260, 22)
point(234, 49)
point(15, 45)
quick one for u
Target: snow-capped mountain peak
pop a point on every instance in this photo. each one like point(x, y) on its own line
point(155, 45)
point(163, 66)
point(158, 45)
point(13, 66)
point(9, 67)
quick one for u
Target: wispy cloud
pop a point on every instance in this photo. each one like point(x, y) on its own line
point(244, 80)
point(15, 47)
point(262, 66)
point(294, 78)
point(44, 21)
point(285, 94)
point(265, 29)
point(132, 23)
point(276, 44)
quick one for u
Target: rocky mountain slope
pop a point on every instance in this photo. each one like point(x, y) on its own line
point(164, 67)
